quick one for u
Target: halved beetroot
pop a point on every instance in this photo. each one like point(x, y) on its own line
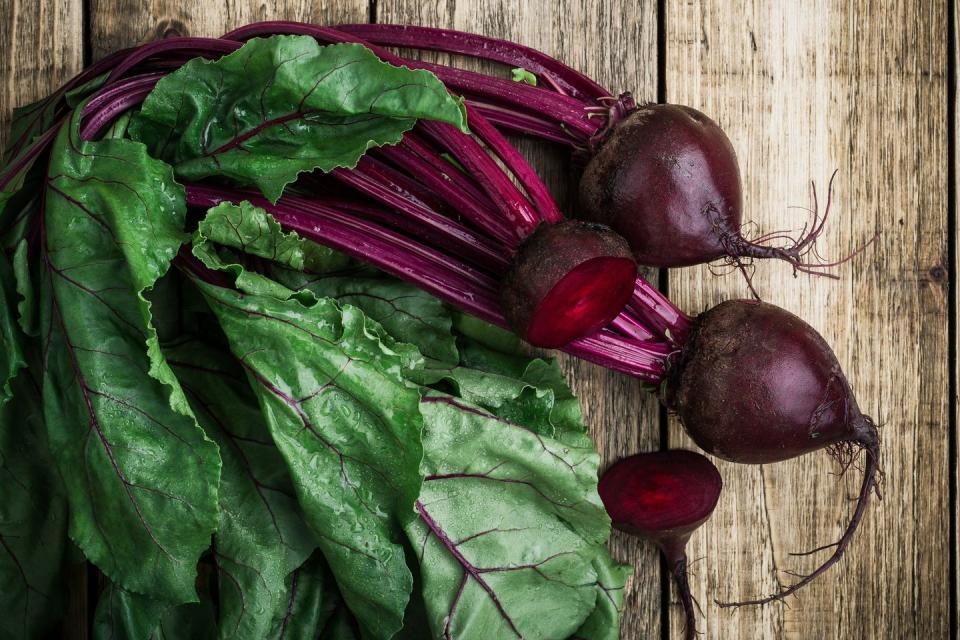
point(566, 281)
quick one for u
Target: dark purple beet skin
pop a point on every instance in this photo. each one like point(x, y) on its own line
point(756, 384)
point(663, 496)
point(567, 280)
point(666, 178)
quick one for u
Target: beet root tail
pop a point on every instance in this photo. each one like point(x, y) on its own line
point(678, 570)
point(871, 446)
point(801, 253)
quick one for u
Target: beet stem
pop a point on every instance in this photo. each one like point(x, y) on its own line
point(537, 191)
point(522, 123)
point(441, 275)
point(870, 445)
point(564, 79)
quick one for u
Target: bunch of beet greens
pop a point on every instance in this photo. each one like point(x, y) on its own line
point(197, 345)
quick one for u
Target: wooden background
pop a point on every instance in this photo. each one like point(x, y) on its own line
point(802, 88)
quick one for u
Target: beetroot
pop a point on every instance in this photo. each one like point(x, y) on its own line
point(567, 280)
point(756, 384)
point(666, 178)
point(664, 497)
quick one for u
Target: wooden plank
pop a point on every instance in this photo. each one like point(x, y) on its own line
point(615, 43)
point(121, 23)
point(801, 91)
point(42, 45)
point(954, 189)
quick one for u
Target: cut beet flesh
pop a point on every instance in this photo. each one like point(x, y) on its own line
point(665, 492)
point(566, 281)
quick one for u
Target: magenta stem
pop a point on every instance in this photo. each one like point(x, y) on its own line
point(522, 123)
point(445, 277)
point(511, 203)
point(565, 78)
point(442, 276)
point(471, 208)
point(107, 105)
point(654, 310)
point(517, 165)
point(628, 326)
point(448, 233)
point(415, 217)
point(461, 183)
point(194, 47)
point(517, 95)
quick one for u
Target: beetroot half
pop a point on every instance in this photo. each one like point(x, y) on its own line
point(756, 384)
point(566, 281)
point(666, 178)
point(664, 496)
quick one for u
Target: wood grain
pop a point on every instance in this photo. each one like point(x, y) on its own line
point(42, 45)
point(121, 23)
point(802, 91)
point(851, 85)
point(615, 43)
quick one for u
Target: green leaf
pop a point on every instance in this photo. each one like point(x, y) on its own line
point(604, 622)
point(331, 386)
point(523, 75)
point(11, 353)
point(140, 474)
point(406, 312)
point(262, 537)
point(33, 519)
point(509, 524)
point(30, 121)
point(311, 598)
point(512, 386)
point(493, 338)
point(529, 399)
point(26, 287)
point(251, 231)
point(282, 105)
point(122, 615)
point(19, 205)
point(341, 626)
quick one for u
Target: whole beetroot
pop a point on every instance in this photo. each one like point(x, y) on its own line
point(666, 178)
point(755, 384)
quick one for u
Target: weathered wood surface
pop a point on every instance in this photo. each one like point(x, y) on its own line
point(801, 91)
point(855, 86)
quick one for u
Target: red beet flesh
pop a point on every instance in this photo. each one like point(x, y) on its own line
point(566, 281)
point(663, 496)
point(756, 384)
point(666, 178)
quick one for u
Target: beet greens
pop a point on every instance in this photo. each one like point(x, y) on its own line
point(393, 453)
